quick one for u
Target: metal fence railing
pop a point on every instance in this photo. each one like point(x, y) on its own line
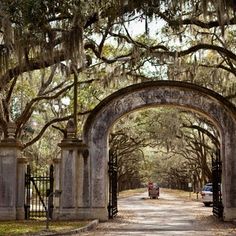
point(37, 191)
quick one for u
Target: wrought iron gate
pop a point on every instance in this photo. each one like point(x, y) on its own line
point(216, 183)
point(112, 205)
point(37, 194)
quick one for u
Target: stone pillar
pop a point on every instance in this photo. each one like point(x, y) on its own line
point(21, 170)
point(11, 180)
point(86, 178)
point(57, 185)
point(229, 214)
point(73, 202)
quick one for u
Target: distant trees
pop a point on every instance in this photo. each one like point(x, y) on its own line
point(171, 147)
point(126, 144)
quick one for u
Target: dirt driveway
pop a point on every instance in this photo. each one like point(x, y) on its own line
point(168, 215)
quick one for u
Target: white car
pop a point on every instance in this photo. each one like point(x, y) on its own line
point(207, 194)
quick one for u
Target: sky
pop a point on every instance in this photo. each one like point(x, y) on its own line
point(138, 27)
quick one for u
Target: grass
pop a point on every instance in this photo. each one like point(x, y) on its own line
point(32, 227)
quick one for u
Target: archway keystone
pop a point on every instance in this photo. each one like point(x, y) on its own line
point(153, 94)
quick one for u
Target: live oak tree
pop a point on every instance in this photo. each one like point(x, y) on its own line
point(189, 153)
point(170, 146)
point(48, 46)
point(126, 144)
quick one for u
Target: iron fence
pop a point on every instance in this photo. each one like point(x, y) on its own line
point(37, 190)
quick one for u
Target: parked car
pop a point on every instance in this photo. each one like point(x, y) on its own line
point(207, 194)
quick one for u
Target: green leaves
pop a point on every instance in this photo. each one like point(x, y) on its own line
point(166, 145)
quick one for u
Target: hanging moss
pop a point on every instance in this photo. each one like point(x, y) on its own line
point(28, 30)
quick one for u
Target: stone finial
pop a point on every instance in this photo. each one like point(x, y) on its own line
point(70, 129)
point(11, 130)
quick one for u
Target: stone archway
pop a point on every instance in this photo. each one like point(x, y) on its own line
point(149, 94)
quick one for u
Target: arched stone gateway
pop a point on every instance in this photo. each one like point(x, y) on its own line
point(153, 94)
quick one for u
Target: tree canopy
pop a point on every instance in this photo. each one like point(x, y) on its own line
point(47, 48)
point(169, 146)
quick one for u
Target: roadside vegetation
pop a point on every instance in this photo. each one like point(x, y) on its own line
point(183, 194)
point(36, 227)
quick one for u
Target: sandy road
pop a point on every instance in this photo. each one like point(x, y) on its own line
point(169, 215)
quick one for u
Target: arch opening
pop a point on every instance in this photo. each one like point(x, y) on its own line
point(168, 146)
point(165, 133)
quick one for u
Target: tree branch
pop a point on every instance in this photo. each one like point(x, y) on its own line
point(194, 21)
point(53, 121)
point(9, 94)
point(196, 48)
point(45, 128)
point(108, 61)
point(33, 64)
point(28, 108)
